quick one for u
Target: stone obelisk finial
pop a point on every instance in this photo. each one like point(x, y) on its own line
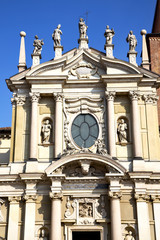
point(145, 59)
point(22, 55)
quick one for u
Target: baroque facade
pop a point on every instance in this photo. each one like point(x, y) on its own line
point(83, 157)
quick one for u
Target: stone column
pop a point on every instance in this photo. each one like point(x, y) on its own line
point(156, 211)
point(134, 96)
point(13, 218)
point(58, 124)
point(111, 129)
point(13, 127)
point(56, 216)
point(115, 215)
point(29, 222)
point(143, 217)
point(34, 125)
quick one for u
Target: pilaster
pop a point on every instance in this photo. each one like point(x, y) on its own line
point(20, 101)
point(11, 159)
point(58, 124)
point(156, 211)
point(111, 129)
point(56, 197)
point(143, 216)
point(34, 125)
point(137, 145)
point(13, 217)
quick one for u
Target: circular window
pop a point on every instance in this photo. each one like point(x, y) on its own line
point(84, 130)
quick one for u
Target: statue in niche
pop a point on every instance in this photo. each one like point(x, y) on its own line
point(132, 41)
point(122, 131)
point(37, 45)
point(82, 28)
point(129, 236)
point(43, 235)
point(46, 131)
point(109, 34)
point(56, 36)
point(85, 210)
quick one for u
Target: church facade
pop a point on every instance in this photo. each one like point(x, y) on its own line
point(83, 157)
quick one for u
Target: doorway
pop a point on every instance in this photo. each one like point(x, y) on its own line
point(86, 235)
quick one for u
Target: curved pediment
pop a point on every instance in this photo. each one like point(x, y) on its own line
point(83, 64)
point(85, 165)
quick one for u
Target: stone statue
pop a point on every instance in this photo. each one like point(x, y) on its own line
point(85, 210)
point(56, 36)
point(82, 28)
point(109, 34)
point(42, 236)
point(122, 131)
point(46, 131)
point(129, 236)
point(132, 41)
point(101, 147)
point(37, 45)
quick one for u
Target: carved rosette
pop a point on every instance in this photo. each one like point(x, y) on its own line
point(115, 195)
point(58, 97)
point(150, 98)
point(56, 195)
point(141, 197)
point(155, 198)
point(134, 95)
point(14, 199)
point(110, 95)
point(30, 198)
point(34, 96)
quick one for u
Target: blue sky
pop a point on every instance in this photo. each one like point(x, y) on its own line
point(42, 17)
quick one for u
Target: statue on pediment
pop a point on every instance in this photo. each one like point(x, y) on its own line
point(37, 45)
point(109, 34)
point(131, 39)
point(56, 36)
point(82, 28)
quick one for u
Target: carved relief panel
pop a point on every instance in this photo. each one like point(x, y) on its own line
point(85, 211)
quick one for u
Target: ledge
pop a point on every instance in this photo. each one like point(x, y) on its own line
point(68, 220)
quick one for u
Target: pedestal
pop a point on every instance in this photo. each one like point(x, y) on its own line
point(83, 43)
point(35, 59)
point(109, 50)
point(132, 57)
point(58, 51)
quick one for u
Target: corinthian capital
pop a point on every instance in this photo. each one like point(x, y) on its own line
point(58, 97)
point(56, 195)
point(20, 100)
point(30, 198)
point(141, 197)
point(134, 95)
point(35, 96)
point(115, 195)
point(110, 95)
point(150, 98)
point(155, 198)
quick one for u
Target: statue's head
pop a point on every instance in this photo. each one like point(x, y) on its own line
point(59, 26)
point(130, 233)
point(81, 20)
point(131, 32)
point(36, 37)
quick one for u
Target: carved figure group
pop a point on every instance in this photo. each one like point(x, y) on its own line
point(85, 210)
point(37, 45)
point(122, 131)
point(82, 28)
point(109, 34)
point(56, 36)
point(46, 131)
point(132, 41)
